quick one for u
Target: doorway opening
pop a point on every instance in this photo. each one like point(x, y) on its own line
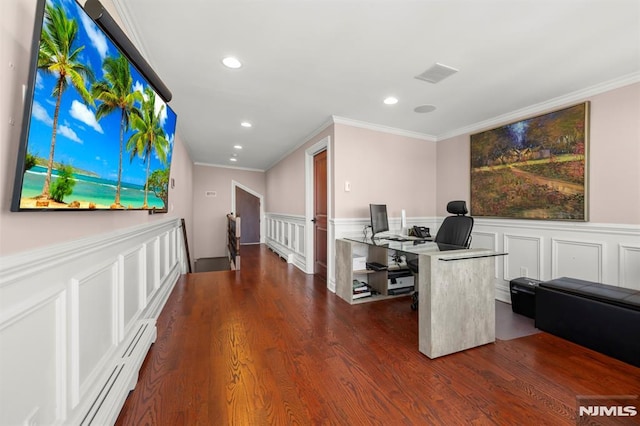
point(249, 205)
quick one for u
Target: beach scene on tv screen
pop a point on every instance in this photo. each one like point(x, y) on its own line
point(99, 136)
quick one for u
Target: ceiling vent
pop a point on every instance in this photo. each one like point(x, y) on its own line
point(437, 73)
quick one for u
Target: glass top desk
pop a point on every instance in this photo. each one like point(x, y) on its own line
point(456, 289)
point(412, 246)
point(419, 246)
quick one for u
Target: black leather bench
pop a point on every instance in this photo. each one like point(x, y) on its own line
point(601, 317)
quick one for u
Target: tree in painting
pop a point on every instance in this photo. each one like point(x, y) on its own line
point(58, 56)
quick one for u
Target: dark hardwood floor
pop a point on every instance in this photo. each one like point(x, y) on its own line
point(270, 345)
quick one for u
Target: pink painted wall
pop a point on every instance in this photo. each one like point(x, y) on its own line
point(614, 160)
point(29, 230)
point(399, 171)
point(453, 174)
point(285, 181)
point(383, 168)
point(614, 166)
point(209, 213)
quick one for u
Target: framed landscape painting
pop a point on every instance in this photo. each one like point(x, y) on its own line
point(534, 168)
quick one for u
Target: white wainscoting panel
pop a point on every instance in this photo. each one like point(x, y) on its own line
point(629, 265)
point(35, 387)
point(94, 335)
point(285, 236)
point(174, 243)
point(331, 255)
point(77, 320)
point(525, 256)
point(132, 280)
point(153, 269)
point(485, 240)
point(577, 259)
point(164, 261)
point(488, 240)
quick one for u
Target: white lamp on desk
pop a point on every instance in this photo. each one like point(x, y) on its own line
point(403, 223)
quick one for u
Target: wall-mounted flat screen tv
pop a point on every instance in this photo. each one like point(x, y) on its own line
point(96, 136)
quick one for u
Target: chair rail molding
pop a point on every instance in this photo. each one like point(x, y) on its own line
point(77, 320)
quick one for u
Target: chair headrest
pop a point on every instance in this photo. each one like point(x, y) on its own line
point(457, 207)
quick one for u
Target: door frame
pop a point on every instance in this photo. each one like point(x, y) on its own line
point(235, 184)
point(322, 145)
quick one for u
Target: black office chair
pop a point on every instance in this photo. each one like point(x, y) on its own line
point(455, 230)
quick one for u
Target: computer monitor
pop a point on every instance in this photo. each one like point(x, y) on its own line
point(379, 221)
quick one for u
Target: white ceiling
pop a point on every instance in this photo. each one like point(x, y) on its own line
point(308, 60)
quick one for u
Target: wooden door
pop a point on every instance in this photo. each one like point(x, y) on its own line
point(320, 213)
point(248, 208)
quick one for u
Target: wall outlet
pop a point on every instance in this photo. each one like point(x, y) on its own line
point(524, 272)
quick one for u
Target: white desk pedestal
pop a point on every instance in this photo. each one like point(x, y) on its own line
point(456, 308)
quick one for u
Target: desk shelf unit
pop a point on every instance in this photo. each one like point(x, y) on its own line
point(456, 291)
point(377, 280)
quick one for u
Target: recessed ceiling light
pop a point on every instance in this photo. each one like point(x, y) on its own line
point(231, 62)
point(422, 109)
point(246, 124)
point(391, 100)
point(233, 159)
point(237, 146)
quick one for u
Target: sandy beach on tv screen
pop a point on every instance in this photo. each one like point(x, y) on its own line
point(33, 203)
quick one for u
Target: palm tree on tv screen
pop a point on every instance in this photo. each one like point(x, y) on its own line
point(58, 57)
point(150, 136)
point(116, 92)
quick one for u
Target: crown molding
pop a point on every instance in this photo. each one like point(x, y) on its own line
point(225, 166)
point(304, 140)
point(551, 104)
point(334, 119)
point(381, 128)
point(123, 18)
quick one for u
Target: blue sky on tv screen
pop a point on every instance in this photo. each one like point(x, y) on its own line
point(82, 141)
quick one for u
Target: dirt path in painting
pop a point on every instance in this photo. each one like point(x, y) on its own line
point(566, 188)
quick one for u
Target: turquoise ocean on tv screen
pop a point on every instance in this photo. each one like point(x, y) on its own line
point(92, 189)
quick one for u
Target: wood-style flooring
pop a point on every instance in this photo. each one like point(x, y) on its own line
point(269, 345)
